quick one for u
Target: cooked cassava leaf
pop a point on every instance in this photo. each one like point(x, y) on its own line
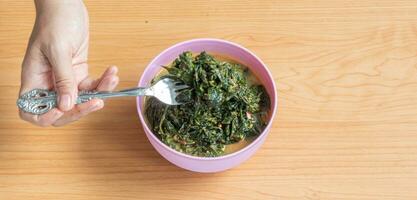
point(223, 106)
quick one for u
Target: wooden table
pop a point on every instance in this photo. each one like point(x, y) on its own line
point(346, 127)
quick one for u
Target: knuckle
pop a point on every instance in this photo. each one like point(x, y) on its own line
point(63, 82)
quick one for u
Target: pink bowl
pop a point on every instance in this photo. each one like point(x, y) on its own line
point(229, 50)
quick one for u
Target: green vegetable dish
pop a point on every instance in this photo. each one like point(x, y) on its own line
point(225, 108)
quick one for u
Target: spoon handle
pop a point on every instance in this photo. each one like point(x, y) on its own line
point(40, 101)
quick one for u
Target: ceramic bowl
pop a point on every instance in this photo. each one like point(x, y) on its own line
point(217, 47)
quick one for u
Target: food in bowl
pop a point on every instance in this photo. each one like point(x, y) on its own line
point(217, 47)
point(226, 107)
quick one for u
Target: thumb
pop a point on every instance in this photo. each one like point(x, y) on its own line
point(64, 79)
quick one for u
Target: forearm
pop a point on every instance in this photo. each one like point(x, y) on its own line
point(39, 3)
point(42, 5)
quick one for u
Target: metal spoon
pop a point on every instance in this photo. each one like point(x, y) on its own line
point(40, 101)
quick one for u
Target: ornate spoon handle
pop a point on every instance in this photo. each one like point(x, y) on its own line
point(40, 101)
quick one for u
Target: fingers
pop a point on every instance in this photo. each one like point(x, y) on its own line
point(79, 111)
point(56, 117)
point(44, 120)
point(60, 59)
point(107, 82)
point(35, 71)
point(112, 70)
point(109, 79)
point(35, 74)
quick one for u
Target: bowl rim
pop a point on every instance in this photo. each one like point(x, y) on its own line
point(246, 148)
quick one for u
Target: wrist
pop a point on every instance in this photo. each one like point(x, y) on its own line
point(42, 5)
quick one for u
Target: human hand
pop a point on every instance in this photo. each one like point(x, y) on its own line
point(56, 59)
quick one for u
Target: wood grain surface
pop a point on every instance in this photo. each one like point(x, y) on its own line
point(346, 127)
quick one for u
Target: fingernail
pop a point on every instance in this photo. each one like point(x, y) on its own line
point(65, 102)
point(113, 83)
point(113, 69)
